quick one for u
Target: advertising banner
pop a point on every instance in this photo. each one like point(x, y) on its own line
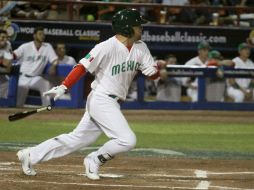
point(157, 37)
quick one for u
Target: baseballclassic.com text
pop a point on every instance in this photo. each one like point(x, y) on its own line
point(181, 37)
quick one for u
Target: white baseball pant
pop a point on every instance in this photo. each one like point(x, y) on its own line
point(4, 86)
point(102, 114)
point(36, 83)
point(236, 94)
point(193, 94)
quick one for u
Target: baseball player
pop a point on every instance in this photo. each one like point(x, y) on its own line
point(168, 88)
point(240, 89)
point(201, 61)
point(5, 62)
point(114, 63)
point(62, 57)
point(33, 57)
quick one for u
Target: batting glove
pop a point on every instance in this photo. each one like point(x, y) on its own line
point(56, 92)
point(150, 71)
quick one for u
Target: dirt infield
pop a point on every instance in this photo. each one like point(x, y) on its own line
point(130, 172)
point(134, 171)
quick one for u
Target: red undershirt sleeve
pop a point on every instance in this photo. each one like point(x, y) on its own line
point(76, 73)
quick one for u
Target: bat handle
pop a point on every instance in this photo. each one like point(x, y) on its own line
point(44, 108)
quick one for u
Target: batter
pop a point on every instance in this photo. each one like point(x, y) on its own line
point(114, 63)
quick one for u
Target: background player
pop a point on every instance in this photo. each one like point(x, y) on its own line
point(200, 61)
point(168, 88)
point(240, 89)
point(60, 50)
point(33, 57)
point(5, 62)
point(114, 62)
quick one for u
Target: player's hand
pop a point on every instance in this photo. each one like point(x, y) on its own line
point(161, 64)
point(150, 71)
point(163, 74)
point(56, 92)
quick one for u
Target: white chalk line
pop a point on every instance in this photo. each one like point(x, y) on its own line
point(200, 174)
point(119, 185)
point(159, 151)
point(7, 163)
point(228, 188)
point(173, 177)
point(97, 184)
point(229, 173)
point(106, 175)
point(203, 185)
point(203, 175)
point(4, 164)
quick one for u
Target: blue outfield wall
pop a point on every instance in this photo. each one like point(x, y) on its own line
point(77, 91)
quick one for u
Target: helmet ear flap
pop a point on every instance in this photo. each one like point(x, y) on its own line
point(127, 31)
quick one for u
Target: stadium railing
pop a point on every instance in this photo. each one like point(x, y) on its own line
point(77, 92)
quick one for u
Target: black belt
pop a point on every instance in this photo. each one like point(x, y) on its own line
point(116, 98)
point(25, 75)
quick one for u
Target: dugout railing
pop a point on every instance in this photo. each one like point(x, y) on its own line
point(77, 91)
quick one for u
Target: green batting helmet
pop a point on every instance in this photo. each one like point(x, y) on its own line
point(124, 20)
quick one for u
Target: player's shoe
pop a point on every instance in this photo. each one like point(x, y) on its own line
point(24, 157)
point(92, 168)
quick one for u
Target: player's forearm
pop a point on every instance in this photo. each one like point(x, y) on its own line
point(7, 63)
point(77, 72)
point(55, 62)
point(155, 76)
point(52, 69)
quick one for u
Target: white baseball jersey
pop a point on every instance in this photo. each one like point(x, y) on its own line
point(33, 60)
point(115, 66)
point(194, 62)
point(6, 52)
point(239, 63)
point(67, 60)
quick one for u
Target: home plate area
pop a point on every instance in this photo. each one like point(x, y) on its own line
point(130, 172)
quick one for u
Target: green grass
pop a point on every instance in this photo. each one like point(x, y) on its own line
point(181, 136)
point(197, 136)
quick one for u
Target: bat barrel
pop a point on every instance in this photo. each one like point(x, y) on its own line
point(20, 115)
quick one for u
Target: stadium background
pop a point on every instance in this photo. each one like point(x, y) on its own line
point(184, 149)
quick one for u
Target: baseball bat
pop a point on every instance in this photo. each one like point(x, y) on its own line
point(20, 115)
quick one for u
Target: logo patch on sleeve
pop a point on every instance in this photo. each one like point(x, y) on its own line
point(88, 56)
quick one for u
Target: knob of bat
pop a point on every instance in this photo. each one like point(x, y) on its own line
point(49, 108)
